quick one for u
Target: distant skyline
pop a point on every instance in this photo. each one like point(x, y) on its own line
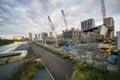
point(19, 17)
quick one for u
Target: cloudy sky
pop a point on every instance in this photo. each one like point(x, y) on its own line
point(19, 17)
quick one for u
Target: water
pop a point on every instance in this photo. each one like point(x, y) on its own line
point(10, 47)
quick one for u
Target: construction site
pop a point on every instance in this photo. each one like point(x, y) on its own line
point(60, 44)
point(94, 44)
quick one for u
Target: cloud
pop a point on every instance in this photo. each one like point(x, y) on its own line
point(23, 16)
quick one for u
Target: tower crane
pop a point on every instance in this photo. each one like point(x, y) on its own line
point(51, 24)
point(104, 18)
point(53, 29)
point(64, 19)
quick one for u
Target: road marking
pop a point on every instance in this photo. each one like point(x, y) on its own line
point(49, 73)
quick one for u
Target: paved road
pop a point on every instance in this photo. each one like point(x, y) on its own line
point(42, 74)
point(58, 67)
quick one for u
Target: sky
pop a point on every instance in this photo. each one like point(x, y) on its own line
point(19, 17)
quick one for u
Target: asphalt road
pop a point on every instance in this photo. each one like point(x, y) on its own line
point(58, 67)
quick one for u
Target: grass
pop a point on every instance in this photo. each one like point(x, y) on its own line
point(9, 60)
point(85, 71)
point(3, 42)
point(28, 69)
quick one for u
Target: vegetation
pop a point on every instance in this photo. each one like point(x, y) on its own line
point(28, 69)
point(85, 71)
point(3, 42)
point(8, 60)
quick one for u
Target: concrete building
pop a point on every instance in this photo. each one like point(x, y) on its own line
point(87, 24)
point(44, 35)
point(18, 38)
point(30, 36)
point(111, 26)
point(50, 34)
point(39, 36)
point(91, 29)
point(93, 34)
point(36, 37)
point(71, 35)
point(109, 21)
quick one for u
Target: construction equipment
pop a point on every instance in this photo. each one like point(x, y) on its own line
point(104, 18)
point(64, 19)
point(53, 30)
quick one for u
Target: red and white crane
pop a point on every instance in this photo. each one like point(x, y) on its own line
point(53, 29)
point(64, 19)
point(51, 24)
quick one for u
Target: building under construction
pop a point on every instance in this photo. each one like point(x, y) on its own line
point(88, 32)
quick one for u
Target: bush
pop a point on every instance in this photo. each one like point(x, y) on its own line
point(85, 71)
point(28, 70)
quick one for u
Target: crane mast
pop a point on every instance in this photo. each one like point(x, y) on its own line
point(104, 18)
point(103, 11)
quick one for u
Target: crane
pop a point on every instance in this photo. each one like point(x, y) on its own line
point(104, 18)
point(64, 19)
point(51, 23)
point(53, 29)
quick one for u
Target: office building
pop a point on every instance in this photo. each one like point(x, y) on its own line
point(44, 35)
point(87, 24)
point(30, 36)
point(18, 38)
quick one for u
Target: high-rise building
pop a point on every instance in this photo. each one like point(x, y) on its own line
point(44, 35)
point(110, 24)
point(71, 35)
point(87, 24)
point(109, 21)
point(50, 34)
point(36, 37)
point(30, 36)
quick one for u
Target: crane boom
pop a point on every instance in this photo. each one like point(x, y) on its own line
point(51, 23)
point(64, 19)
point(53, 30)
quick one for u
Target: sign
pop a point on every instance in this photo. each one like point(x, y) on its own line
point(118, 40)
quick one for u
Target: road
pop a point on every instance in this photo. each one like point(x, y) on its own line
point(58, 67)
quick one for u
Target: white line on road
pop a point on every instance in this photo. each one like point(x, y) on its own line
point(49, 73)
